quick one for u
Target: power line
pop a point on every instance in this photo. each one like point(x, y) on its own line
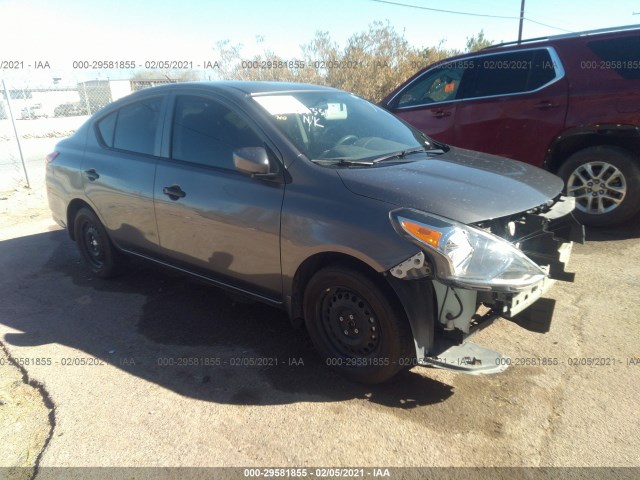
point(546, 25)
point(504, 17)
point(445, 11)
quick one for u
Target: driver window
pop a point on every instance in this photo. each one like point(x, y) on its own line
point(207, 132)
point(438, 85)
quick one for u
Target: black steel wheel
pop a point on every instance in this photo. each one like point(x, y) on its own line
point(357, 325)
point(95, 246)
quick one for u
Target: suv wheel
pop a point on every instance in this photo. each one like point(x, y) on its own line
point(354, 325)
point(605, 182)
point(95, 246)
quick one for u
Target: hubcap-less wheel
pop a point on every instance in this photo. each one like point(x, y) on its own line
point(349, 323)
point(598, 187)
point(357, 324)
point(94, 246)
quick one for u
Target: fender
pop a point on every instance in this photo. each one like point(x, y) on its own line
point(607, 133)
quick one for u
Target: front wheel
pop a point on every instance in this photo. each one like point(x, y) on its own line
point(357, 326)
point(95, 246)
point(605, 182)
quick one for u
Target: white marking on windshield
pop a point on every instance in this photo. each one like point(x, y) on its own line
point(282, 105)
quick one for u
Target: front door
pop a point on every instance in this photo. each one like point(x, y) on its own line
point(428, 103)
point(211, 218)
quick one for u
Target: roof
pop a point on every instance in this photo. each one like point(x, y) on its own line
point(563, 36)
point(257, 88)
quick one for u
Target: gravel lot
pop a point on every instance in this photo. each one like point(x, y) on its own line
point(106, 354)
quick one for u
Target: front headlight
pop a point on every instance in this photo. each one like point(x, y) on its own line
point(467, 256)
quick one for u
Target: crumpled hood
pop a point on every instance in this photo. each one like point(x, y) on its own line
point(460, 184)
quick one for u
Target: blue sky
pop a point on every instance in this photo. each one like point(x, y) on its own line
point(66, 30)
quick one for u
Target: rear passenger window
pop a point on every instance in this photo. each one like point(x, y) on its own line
point(207, 132)
point(509, 73)
point(137, 126)
point(619, 54)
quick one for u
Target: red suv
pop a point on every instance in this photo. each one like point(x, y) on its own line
point(569, 103)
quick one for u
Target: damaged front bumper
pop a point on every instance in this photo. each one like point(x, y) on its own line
point(545, 234)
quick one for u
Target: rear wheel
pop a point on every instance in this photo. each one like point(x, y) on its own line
point(95, 246)
point(356, 325)
point(605, 182)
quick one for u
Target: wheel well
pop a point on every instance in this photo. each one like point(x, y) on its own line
point(316, 262)
point(72, 210)
point(566, 146)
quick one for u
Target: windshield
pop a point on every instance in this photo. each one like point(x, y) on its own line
point(330, 125)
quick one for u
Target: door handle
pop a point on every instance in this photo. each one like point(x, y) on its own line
point(545, 105)
point(92, 175)
point(174, 192)
point(441, 113)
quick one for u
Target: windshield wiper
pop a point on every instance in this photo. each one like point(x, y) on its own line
point(341, 162)
point(345, 162)
point(403, 153)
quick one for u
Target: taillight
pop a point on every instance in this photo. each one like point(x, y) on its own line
point(52, 156)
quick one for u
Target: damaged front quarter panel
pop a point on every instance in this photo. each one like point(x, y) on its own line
point(443, 316)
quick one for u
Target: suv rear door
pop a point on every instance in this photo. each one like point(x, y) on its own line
point(512, 104)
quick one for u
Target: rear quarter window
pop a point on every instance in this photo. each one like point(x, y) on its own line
point(621, 55)
point(106, 128)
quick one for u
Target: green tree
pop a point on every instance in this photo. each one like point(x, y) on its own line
point(478, 42)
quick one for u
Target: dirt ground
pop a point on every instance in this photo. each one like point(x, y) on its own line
point(24, 414)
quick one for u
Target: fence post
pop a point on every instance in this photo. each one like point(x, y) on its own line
point(86, 98)
point(15, 132)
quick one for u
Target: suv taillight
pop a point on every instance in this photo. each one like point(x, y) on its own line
point(52, 156)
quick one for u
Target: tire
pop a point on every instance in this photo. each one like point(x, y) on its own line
point(606, 183)
point(378, 336)
point(95, 246)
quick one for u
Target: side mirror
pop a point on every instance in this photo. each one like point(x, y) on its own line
point(252, 160)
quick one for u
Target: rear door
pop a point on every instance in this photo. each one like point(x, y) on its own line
point(119, 169)
point(429, 102)
point(512, 104)
point(211, 218)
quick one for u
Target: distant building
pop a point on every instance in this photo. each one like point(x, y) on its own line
point(45, 100)
point(95, 94)
point(85, 98)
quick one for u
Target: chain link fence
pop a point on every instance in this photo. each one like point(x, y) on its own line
point(34, 118)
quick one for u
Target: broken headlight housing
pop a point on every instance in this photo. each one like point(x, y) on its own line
point(466, 256)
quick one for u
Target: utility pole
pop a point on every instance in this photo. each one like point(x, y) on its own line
point(521, 21)
point(15, 132)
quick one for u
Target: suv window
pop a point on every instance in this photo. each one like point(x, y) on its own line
point(438, 85)
point(137, 126)
point(619, 54)
point(509, 73)
point(207, 132)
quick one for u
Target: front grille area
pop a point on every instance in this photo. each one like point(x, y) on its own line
point(540, 233)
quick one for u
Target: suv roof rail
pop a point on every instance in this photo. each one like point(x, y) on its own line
point(566, 35)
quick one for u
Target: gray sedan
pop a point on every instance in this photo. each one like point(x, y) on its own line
point(390, 247)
